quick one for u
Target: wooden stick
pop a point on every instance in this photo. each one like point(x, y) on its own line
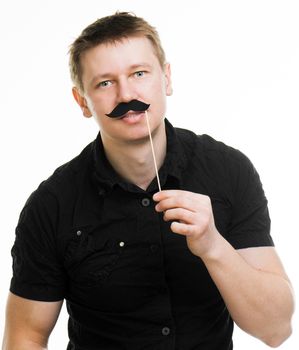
point(153, 151)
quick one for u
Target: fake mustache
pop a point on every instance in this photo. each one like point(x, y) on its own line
point(123, 108)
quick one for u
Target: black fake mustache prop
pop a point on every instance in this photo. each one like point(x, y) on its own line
point(123, 108)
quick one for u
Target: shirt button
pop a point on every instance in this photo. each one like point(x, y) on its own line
point(154, 248)
point(145, 202)
point(79, 233)
point(101, 192)
point(165, 331)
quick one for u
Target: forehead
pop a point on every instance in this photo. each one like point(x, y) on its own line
point(117, 56)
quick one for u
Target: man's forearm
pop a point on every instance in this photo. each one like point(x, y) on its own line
point(261, 303)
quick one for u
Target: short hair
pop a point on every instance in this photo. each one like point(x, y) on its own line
point(111, 29)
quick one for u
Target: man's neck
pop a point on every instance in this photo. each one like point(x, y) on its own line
point(134, 161)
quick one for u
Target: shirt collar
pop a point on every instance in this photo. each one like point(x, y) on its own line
point(170, 173)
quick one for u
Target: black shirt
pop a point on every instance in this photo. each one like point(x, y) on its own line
point(88, 236)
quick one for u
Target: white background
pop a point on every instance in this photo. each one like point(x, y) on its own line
point(235, 62)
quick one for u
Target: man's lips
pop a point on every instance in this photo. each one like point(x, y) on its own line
point(132, 117)
point(131, 114)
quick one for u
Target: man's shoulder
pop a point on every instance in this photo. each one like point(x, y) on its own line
point(206, 148)
point(202, 142)
point(70, 174)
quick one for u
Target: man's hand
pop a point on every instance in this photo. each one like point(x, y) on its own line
point(252, 281)
point(192, 216)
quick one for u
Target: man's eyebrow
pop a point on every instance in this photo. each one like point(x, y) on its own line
point(140, 65)
point(103, 76)
point(108, 75)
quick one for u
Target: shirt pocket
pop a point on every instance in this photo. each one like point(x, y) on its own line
point(91, 256)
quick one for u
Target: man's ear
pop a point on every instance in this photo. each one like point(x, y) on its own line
point(167, 72)
point(81, 100)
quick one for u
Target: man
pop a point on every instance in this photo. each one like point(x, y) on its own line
point(141, 268)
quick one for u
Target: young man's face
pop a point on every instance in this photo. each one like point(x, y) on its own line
point(120, 72)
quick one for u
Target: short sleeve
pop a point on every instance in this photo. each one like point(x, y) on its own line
point(37, 271)
point(250, 221)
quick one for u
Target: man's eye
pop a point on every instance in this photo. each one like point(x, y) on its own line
point(104, 83)
point(140, 73)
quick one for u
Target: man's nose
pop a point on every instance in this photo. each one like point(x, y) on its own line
point(125, 92)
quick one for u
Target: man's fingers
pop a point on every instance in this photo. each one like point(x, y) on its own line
point(182, 229)
point(166, 194)
point(181, 215)
point(181, 201)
